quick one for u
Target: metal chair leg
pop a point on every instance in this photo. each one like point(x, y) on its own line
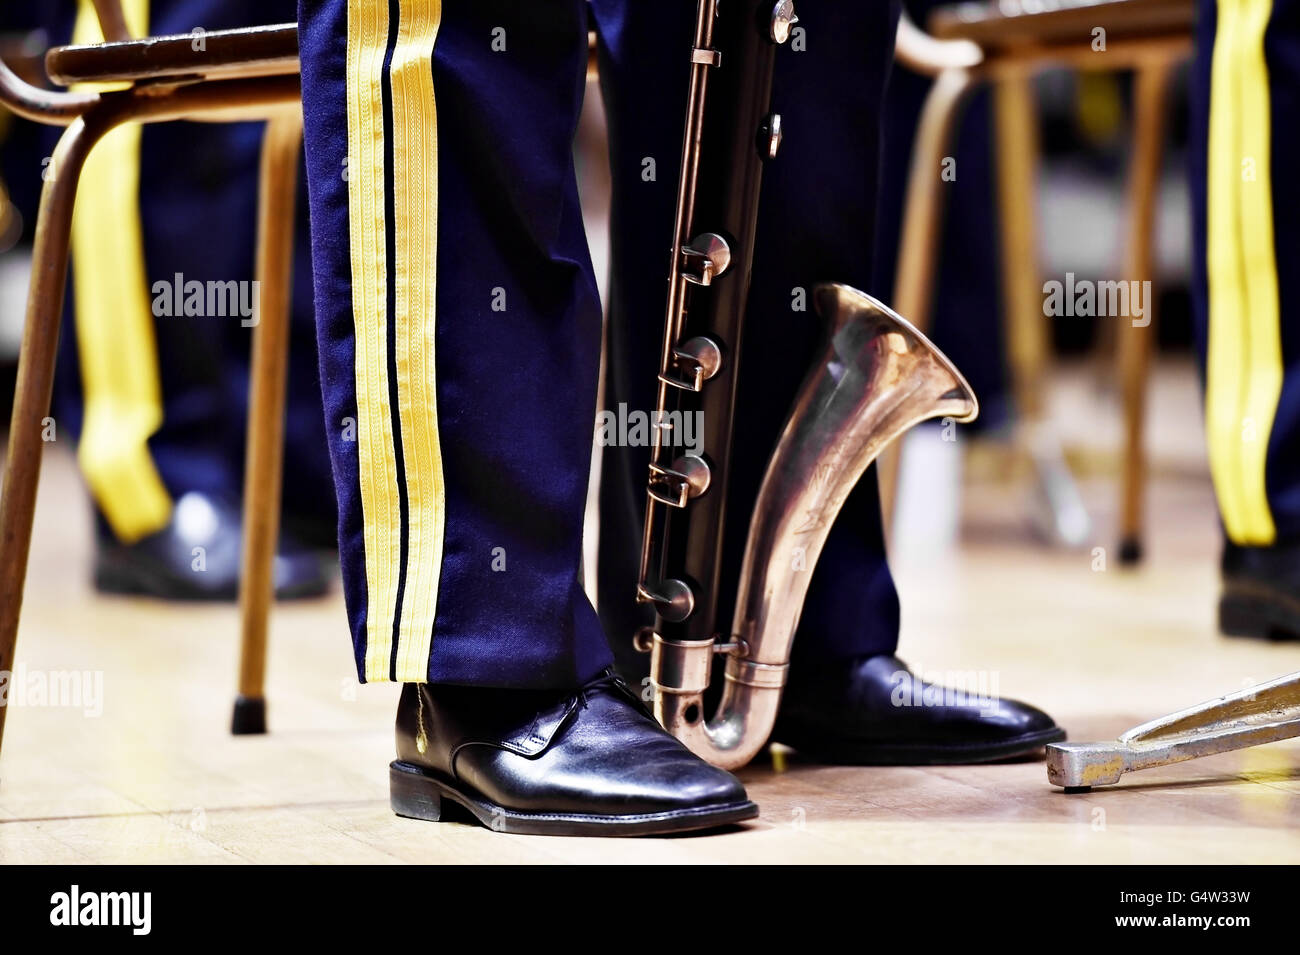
point(1062, 517)
point(265, 455)
point(923, 213)
point(112, 21)
point(918, 249)
point(1135, 341)
point(36, 374)
point(1264, 713)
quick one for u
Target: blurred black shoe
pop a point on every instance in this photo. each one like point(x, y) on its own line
point(874, 712)
point(196, 557)
point(1261, 591)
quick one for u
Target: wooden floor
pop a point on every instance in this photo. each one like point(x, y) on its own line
point(156, 777)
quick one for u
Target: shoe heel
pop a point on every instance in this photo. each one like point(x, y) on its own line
point(110, 579)
point(412, 794)
point(1238, 618)
point(1242, 616)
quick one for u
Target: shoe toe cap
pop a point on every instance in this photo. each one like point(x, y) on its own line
point(705, 785)
point(1016, 719)
point(663, 774)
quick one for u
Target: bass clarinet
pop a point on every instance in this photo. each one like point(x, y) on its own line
point(875, 377)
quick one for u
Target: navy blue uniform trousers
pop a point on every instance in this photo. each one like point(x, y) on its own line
point(459, 324)
point(817, 222)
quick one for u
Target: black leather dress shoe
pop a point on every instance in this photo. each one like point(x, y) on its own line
point(196, 557)
point(587, 762)
point(875, 712)
point(1261, 592)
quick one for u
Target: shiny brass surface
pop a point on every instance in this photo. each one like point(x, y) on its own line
point(876, 377)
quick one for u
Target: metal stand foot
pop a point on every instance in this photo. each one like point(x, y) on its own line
point(1264, 713)
point(1059, 515)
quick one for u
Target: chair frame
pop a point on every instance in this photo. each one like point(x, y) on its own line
point(244, 85)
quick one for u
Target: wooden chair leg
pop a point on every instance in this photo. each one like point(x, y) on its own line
point(918, 248)
point(1062, 517)
point(1135, 339)
point(265, 454)
point(22, 466)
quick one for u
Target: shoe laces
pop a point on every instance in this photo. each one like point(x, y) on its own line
point(609, 680)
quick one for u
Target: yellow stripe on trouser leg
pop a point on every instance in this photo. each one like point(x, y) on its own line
point(377, 465)
point(1227, 325)
point(1263, 379)
point(415, 200)
point(1244, 362)
point(115, 333)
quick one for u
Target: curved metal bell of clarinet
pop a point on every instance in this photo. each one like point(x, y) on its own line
point(876, 377)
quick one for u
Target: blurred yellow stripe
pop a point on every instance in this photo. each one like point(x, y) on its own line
point(1263, 379)
point(114, 319)
point(1244, 362)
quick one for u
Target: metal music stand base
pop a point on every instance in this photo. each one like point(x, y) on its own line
point(1264, 713)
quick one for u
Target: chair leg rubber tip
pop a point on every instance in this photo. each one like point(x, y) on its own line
point(1130, 551)
point(1072, 790)
point(250, 716)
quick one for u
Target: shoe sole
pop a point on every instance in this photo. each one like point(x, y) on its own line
point(1258, 612)
point(845, 753)
point(417, 794)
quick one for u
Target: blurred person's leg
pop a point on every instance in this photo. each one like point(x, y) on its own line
point(817, 223)
point(1246, 105)
point(459, 331)
point(155, 381)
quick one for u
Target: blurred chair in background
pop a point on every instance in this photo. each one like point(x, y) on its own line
point(229, 76)
point(1005, 45)
point(157, 393)
point(967, 309)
